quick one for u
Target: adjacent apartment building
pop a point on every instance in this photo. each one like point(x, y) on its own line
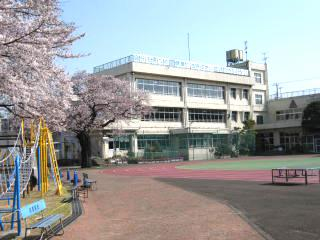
point(196, 106)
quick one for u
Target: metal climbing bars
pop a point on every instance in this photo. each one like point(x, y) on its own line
point(16, 167)
point(47, 152)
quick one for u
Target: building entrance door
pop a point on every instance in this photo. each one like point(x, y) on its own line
point(317, 145)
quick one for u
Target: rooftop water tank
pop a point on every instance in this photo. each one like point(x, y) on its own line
point(234, 56)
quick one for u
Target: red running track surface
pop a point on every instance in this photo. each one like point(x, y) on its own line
point(169, 170)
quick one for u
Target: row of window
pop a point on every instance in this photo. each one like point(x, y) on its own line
point(194, 90)
point(159, 87)
point(245, 116)
point(207, 91)
point(195, 115)
point(156, 143)
point(207, 115)
point(244, 95)
point(153, 143)
point(289, 114)
point(164, 114)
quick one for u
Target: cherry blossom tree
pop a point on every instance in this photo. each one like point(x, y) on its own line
point(101, 100)
point(32, 37)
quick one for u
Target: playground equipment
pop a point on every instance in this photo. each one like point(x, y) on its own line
point(16, 168)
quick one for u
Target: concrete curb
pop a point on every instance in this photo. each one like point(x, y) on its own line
point(77, 211)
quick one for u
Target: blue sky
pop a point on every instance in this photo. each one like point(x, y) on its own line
point(287, 30)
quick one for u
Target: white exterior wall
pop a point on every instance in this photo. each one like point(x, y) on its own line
point(133, 70)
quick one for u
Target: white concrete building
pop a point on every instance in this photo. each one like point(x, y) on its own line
point(196, 106)
point(282, 127)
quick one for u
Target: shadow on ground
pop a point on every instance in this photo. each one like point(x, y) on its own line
point(284, 212)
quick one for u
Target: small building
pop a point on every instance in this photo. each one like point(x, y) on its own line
point(282, 131)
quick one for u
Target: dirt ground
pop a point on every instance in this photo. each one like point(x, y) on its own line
point(142, 208)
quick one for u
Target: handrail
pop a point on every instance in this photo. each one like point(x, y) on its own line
point(295, 94)
point(160, 61)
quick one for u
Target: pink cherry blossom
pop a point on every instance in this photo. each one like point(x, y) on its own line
point(32, 37)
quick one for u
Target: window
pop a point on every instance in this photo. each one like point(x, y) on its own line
point(234, 116)
point(259, 119)
point(246, 116)
point(258, 99)
point(206, 115)
point(153, 142)
point(122, 142)
point(205, 140)
point(205, 91)
point(245, 94)
point(233, 93)
point(290, 141)
point(264, 142)
point(163, 114)
point(257, 77)
point(159, 87)
point(289, 114)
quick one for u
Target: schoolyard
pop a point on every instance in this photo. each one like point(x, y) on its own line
point(219, 199)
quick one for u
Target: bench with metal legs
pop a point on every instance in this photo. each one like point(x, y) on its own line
point(46, 223)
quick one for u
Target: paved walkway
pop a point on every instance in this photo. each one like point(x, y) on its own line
point(142, 208)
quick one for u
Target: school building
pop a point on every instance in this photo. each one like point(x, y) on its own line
point(197, 108)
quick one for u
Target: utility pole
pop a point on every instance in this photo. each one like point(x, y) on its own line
point(246, 49)
point(189, 47)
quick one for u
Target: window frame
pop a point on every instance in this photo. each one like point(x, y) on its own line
point(261, 121)
point(244, 116)
point(234, 116)
point(256, 99)
point(205, 91)
point(258, 77)
point(159, 87)
point(245, 96)
point(233, 93)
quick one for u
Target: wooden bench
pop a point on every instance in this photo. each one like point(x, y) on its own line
point(45, 224)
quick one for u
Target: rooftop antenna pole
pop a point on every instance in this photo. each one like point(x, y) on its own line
point(280, 90)
point(265, 57)
point(277, 90)
point(189, 47)
point(246, 49)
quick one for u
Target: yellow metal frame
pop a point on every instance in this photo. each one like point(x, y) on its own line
point(46, 146)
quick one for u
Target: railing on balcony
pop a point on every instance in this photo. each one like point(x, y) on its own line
point(294, 94)
point(170, 63)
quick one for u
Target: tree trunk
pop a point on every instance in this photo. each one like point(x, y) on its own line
point(84, 140)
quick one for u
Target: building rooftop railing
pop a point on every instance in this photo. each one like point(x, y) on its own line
point(170, 63)
point(295, 94)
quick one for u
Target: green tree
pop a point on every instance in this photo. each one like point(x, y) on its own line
point(248, 125)
point(311, 117)
point(247, 137)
